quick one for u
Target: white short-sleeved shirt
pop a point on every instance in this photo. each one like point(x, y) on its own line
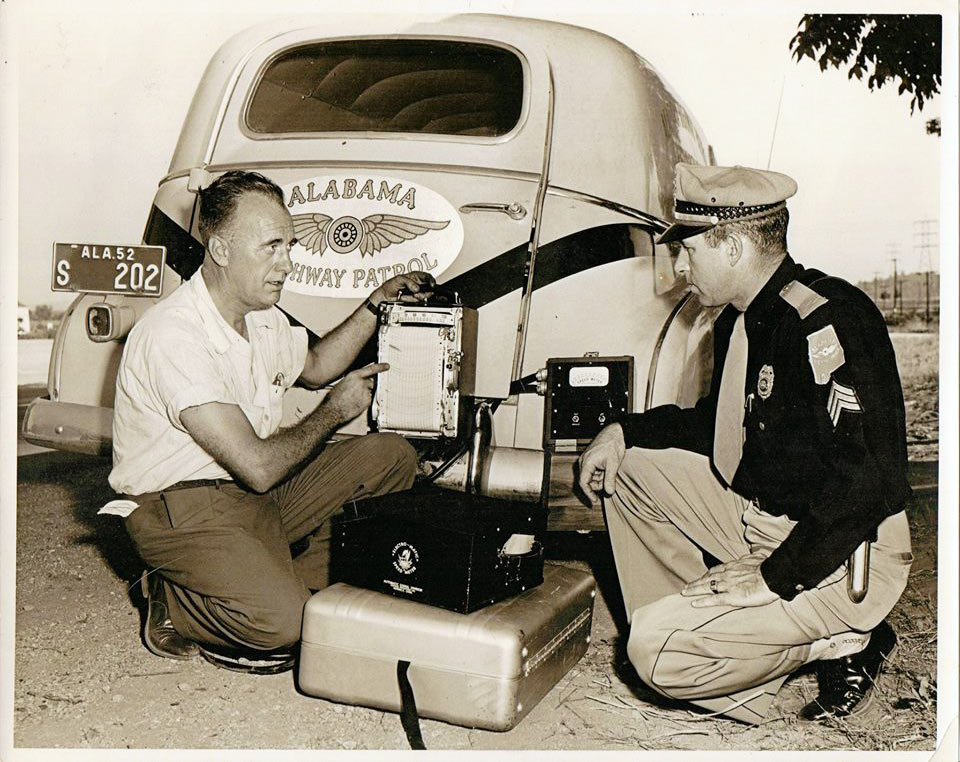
point(180, 354)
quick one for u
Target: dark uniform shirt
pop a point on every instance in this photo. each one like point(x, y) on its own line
point(825, 439)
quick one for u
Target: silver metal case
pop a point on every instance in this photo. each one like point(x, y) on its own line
point(432, 355)
point(486, 670)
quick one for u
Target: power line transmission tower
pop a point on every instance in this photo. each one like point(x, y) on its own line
point(926, 241)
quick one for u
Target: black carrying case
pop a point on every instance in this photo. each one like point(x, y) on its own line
point(439, 547)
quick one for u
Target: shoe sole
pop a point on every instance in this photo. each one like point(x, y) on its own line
point(246, 666)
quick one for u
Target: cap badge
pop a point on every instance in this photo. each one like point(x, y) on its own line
point(765, 382)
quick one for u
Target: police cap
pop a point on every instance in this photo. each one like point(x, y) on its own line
point(708, 196)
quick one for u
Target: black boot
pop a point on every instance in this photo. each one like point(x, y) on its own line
point(159, 636)
point(846, 683)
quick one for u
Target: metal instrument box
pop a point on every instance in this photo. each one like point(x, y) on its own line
point(485, 670)
point(432, 354)
point(442, 547)
point(584, 394)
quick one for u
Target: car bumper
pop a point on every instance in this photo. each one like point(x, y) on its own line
point(68, 426)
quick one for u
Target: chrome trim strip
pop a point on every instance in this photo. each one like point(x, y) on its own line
point(552, 190)
point(374, 165)
point(56, 352)
point(534, 245)
point(613, 206)
point(655, 357)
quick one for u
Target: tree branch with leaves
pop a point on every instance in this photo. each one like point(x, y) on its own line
point(887, 47)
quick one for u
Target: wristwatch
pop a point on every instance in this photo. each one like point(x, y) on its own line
point(375, 309)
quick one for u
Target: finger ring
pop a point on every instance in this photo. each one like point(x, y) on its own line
point(713, 587)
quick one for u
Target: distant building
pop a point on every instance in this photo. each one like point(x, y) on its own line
point(23, 319)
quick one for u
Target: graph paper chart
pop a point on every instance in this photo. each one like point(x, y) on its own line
point(410, 394)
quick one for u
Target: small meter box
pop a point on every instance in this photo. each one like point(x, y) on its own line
point(584, 394)
point(432, 351)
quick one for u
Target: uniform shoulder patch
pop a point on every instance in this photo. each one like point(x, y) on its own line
point(825, 353)
point(802, 298)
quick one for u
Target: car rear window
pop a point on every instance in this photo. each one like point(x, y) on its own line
point(420, 86)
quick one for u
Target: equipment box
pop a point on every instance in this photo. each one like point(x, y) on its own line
point(442, 547)
point(584, 394)
point(485, 670)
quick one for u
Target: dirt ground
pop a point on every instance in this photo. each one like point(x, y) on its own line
point(84, 680)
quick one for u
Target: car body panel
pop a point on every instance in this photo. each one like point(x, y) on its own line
point(546, 230)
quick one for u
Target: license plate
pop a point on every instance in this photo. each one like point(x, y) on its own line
point(107, 269)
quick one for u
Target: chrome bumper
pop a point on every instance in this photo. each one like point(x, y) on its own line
point(68, 426)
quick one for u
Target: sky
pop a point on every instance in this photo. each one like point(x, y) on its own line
point(104, 87)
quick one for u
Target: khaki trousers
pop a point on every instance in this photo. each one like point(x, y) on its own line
point(731, 660)
point(224, 552)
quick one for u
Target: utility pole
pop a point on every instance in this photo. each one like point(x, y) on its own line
point(925, 241)
point(876, 293)
point(893, 250)
point(894, 286)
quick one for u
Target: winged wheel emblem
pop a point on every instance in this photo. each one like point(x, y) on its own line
point(318, 232)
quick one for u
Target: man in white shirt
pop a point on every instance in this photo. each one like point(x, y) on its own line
point(222, 491)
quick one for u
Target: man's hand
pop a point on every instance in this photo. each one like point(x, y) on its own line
point(419, 284)
point(601, 461)
point(352, 395)
point(331, 355)
point(736, 583)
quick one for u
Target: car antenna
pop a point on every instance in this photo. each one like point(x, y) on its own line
point(776, 120)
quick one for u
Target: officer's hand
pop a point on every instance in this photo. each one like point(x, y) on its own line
point(601, 461)
point(418, 285)
point(352, 395)
point(736, 583)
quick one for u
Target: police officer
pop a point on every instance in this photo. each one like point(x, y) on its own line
point(795, 457)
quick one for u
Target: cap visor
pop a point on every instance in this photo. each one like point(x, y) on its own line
point(678, 231)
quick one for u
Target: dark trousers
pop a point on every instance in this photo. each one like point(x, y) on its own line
point(224, 552)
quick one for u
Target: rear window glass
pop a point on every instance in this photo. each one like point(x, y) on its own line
point(422, 86)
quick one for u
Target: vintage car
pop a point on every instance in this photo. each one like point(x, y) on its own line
point(526, 164)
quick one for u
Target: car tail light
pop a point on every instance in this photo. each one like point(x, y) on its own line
point(108, 322)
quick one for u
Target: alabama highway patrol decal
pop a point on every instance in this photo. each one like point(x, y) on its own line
point(355, 231)
point(765, 382)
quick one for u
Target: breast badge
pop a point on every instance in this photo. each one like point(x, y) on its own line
point(825, 353)
point(765, 382)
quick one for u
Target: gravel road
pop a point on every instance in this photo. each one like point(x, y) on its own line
point(84, 680)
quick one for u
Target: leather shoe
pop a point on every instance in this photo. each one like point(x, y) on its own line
point(159, 635)
point(249, 661)
point(846, 684)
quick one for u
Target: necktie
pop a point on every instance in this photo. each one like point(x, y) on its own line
point(728, 433)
